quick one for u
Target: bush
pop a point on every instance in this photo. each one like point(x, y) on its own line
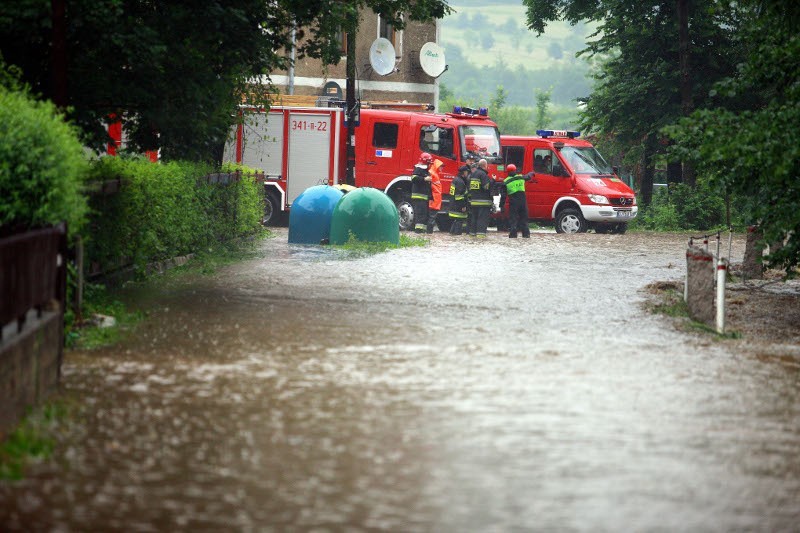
point(42, 164)
point(682, 207)
point(164, 210)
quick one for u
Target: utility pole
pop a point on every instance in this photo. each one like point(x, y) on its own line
point(350, 97)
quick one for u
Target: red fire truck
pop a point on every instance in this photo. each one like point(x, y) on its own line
point(298, 147)
point(573, 188)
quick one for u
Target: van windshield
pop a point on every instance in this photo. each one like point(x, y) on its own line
point(480, 141)
point(585, 160)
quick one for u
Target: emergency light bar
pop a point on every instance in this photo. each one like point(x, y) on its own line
point(461, 110)
point(558, 133)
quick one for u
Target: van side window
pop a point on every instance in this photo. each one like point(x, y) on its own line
point(437, 141)
point(384, 135)
point(543, 161)
point(514, 155)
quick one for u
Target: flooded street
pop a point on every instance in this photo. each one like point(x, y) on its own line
point(505, 385)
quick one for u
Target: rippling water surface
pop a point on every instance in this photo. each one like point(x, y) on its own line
point(464, 386)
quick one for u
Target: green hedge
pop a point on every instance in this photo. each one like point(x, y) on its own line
point(686, 208)
point(165, 210)
point(42, 164)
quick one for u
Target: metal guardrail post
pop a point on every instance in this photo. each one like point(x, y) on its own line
point(722, 268)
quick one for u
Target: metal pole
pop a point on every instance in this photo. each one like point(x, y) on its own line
point(350, 100)
point(686, 279)
point(722, 267)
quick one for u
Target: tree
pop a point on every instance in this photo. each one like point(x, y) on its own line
point(638, 83)
point(749, 142)
point(174, 70)
point(542, 102)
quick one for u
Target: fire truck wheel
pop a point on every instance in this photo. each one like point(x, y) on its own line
point(270, 210)
point(406, 211)
point(570, 220)
point(620, 229)
point(443, 222)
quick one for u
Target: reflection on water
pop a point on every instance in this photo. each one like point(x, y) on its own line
point(493, 386)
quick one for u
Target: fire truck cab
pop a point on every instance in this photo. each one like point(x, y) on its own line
point(389, 144)
point(573, 187)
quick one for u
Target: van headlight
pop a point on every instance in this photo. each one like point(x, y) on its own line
point(598, 199)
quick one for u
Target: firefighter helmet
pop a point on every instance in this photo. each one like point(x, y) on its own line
point(425, 158)
point(512, 168)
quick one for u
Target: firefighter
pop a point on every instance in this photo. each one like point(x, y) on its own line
point(421, 191)
point(435, 203)
point(480, 200)
point(517, 202)
point(458, 205)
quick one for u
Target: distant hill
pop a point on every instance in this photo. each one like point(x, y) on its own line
point(489, 45)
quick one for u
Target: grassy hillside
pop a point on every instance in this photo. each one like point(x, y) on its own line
point(488, 44)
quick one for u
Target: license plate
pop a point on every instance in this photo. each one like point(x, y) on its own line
point(623, 214)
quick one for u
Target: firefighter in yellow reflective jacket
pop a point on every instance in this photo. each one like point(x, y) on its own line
point(480, 200)
point(517, 202)
point(458, 201)
point(421, 192)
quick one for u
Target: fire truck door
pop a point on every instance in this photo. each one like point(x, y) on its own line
point(309, 151)
point(261, 144)
point(381, 153)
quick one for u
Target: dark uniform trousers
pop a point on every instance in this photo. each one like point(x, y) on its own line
point(518, 215)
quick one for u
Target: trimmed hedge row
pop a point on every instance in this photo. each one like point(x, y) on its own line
point(163, 210)
point(42, 164)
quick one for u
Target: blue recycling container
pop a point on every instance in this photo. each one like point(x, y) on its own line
point(369, 214)
point(311, 213)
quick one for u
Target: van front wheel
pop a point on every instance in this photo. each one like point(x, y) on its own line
point(570, 220)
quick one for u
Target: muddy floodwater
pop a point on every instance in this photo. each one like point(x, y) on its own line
point(499, 385)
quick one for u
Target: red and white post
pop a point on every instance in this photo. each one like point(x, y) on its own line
point(722, 270)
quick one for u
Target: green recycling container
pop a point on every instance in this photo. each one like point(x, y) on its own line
point(367, 213)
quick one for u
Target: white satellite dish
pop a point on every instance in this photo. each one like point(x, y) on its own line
point(431, 59)
point(381, 56)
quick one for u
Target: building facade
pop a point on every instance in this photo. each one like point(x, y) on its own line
point(407, 82)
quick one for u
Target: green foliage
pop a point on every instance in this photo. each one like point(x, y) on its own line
point(543, 117)
point(33, 439)
point(41, 165)
point(751, 145)
point(682, 207)
point(175, 70)
point(98, 300)
point(358, 248)
point(162, 211)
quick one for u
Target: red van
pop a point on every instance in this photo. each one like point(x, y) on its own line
point(573, 188)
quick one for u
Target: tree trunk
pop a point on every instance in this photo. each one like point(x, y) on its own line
point(648, 168)
point(58, 58)
point(687, 106)
point(752, 267)
point(674, 171)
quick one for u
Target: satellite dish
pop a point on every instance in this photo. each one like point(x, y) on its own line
point(381, 56)
point(431, 59)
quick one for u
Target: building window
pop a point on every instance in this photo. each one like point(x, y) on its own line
point(341, 40)
point(384, 135)
point(386, 30)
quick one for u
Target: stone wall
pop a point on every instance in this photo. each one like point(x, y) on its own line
point(30, 366)
point(700, 272)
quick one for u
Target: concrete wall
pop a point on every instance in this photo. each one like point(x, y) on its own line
point(30, 366)
point(700, 272)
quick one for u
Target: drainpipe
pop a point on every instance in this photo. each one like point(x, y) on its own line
point(290, 88)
